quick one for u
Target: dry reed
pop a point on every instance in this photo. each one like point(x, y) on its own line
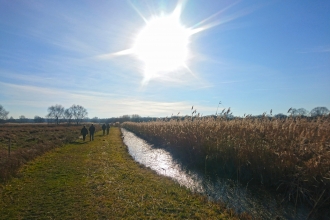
point(291, 155)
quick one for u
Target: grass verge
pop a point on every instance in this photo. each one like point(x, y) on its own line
point(28, 141)
point(99, 180)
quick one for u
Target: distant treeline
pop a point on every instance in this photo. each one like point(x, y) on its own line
point(38, 119)
point(77, 114)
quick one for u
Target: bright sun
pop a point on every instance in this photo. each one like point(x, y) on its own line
point(162, 45)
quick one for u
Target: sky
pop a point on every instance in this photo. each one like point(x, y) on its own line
point(252, 56)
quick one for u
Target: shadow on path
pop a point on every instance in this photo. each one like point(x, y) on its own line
point(78, 142)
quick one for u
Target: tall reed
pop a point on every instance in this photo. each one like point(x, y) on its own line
point(291, 155)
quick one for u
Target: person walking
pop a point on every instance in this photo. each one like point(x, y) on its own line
point(108, 128)
point(103, 128)
point(84, 132)
point(91, 132)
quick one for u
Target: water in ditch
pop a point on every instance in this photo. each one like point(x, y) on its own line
point(242, 198)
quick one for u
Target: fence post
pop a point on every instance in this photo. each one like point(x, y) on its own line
point(9, 147)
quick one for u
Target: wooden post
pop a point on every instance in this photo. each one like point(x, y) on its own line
point(9, 147)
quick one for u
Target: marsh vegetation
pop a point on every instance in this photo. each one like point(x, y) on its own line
point(290, 155)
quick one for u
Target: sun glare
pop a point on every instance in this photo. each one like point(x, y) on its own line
point(162, 45)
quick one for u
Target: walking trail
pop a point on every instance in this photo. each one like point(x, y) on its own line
point(99, 180)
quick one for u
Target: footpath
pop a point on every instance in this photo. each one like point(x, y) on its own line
point(99, 180)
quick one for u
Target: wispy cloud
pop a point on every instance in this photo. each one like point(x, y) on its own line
point(54, 25)
point(98, 103)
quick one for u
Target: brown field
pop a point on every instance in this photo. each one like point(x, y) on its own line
point(29, 141)
point(290, 155)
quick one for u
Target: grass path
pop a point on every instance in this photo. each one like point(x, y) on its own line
point(98, 180)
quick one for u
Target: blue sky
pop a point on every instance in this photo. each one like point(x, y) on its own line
point(252, 56)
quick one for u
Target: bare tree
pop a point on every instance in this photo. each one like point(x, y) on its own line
point(299, 112)
point(3, 113)
point(78, 112)
point(95, 119)
point(68, 114)
point(22, 119)
point(55, 112)
point(135, 117)
point(318, 111)
point(280, 115)
point(11, 119)
point(38, 119)
point(303, 112)
point(124, 118)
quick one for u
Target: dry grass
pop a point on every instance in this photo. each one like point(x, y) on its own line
point(290, 155)
point(29, 141)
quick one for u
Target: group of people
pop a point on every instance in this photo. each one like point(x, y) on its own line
point(91, 130)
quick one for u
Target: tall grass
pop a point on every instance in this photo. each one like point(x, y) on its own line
point(29, 141)
point(290, 155)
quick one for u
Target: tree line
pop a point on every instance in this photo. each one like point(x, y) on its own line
point(77, 114)
point(318, 111)
point(56, 113)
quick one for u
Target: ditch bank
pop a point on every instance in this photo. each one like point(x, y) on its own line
point(256, 199)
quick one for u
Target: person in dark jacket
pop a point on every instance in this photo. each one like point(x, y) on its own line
point(91, 132)
point(84, 132)
point(108, 128)
point(103, 128)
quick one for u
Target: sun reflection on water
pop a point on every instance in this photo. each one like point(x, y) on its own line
point(255, 200)
point(160, 161)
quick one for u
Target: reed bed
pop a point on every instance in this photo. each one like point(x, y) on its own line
point(290, 155)
point(29, 141)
